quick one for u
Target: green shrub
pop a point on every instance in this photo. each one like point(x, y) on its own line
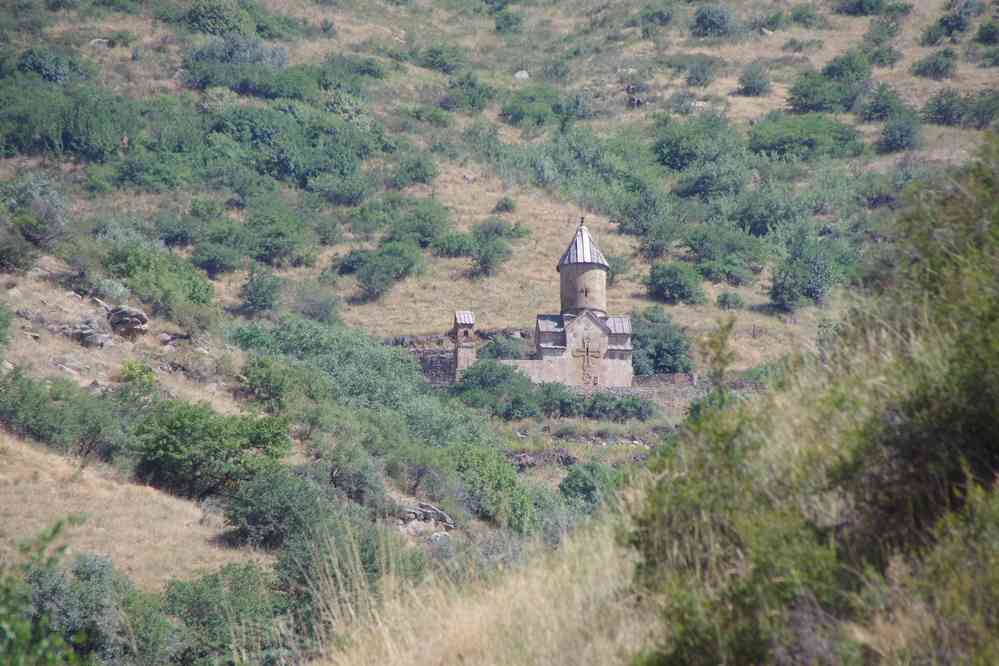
point(700, 74)
point(653, 16)
point(424, 221)
point(660, 346)
point(724, 253)
point(219, 17)
point(17, 254)
point(316, 301)
point(946, 107)
point(862, 7)
point(982, 109)
point(216, 259)
point(50, 65)
point(807, 273)
point(805, 137)
point(990, 57)
point(445, 58)
point(902, 131)
point(713, 21)
point(807, 16)
point(418, 168)
point(508, 22)
point(454, 244)
point(988, 33)
point(938, 66)
point(167, 282)
point(754, 81)
point(533, 106)
point(355, 475)
point(503, 390)
point(704, 138)
point(223, 612)
point(767, 208)
point(505, 347)
point(505, 204)
point(261, 292)
point(194, 451)
point(728, 300)
point(882, 103)
point(675, 283)
point(467, 93)
point(489, 254)
point(725, 176)
point(618, 266)
point(591, 484)
point(835, 88)
point(390, 263)
point(271, 507)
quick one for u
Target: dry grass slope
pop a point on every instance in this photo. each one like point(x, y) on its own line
point(149, 535)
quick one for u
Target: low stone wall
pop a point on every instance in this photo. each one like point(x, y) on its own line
point(437, 365)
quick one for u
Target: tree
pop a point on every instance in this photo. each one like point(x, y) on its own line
point(192, 450)
point(675, 283)
point(660, 346)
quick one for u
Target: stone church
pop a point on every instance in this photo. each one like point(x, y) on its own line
point(582, 345)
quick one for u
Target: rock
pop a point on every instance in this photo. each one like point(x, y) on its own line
point(440, 539)
point(128, 321)
point(522, 75)
point(6, 367)
point(100, 43)
point(164, 338)
point(107, 308)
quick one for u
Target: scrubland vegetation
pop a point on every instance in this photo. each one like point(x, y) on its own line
point(783, 196)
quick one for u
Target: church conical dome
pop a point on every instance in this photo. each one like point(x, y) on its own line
point(582, 250)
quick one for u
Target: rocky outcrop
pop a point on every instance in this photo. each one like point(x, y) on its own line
point(127, 321)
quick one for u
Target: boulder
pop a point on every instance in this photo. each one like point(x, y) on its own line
point(128, 321)
point(522, 75)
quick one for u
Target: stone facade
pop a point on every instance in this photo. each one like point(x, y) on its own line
point(581, 346)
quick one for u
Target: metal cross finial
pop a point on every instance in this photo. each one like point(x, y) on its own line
point(582, 220)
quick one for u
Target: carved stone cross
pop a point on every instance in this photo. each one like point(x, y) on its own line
point(587, 354)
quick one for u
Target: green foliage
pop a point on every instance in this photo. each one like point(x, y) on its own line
point(807, 273)
point(617, 266)
point(501, 389)
point(946, 107)
point(882, 103)
point(413, 169)
point(713, 21)
point(704, 138)
point(590, 484)
point(234, 606)
point(445, 58)
point(700, 73)
point(165, 281)
point(806, 137)
point(902, 131)
point(392, 262)
point(728, 300)
point(273, 506)
point(505, 204)
point(29, 639)
point(654, 16)
point(938, 66)
point(835, 88)
point(768, 208)
point(508, 22)
point(988, 33)
point(754, 81)
point(489, 254)
point(675, 283)
point(724, 253)
point(261, 292)
point(191, 450)
point(17, 253)
point(660, 346)
point(52, 66)
point(315, 301)
point(533, 106)
point(466, 93)
point(6, 318)
point(505, 347)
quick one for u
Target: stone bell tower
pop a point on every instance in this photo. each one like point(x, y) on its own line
point(583, 276)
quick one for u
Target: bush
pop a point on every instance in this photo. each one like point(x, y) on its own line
point(807, 273)
point(700, 73)
point(316, 302)
point(445, 58)
point(17, 254)
point(422, 222)
point(728, 300)
point(660, 346)
point(705, 138)
point(261, 291)
point(938, 66)
point(804, 137)
point(467, 93)
point(862, 7)
point(489, 254)
point(946, 107)
point(654, 16)
point(235, 607)
point(392, 262)
point(419, 168)
point(342, 190)
point(271, 507)
point(533, 106)
point(725, 253)
point(590, 484)
point(505, 205)
point(713, 21)
point(882, 103)
point(902, 131)
point(835, 88)
point(768, 208)
point(191, 450)
point(618, 266)
point(508, 22)
point(167, 282)
point(50, 65)
point(988, 33)
point(504, 391)
point(215, 258)
point(754, 81)
point(505, 347)
point(454, 244)
point(982, 108)
point(675, 283)
point(807, 16)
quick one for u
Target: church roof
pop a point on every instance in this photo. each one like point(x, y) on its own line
point(583, 250)
point(464, 317)
point(619, 325)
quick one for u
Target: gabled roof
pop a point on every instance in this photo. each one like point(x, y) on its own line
point(620, 325)
point(550, 323)
point(464, 317)
point(582, 250)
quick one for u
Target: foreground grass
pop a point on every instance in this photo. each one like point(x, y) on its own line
point(574, 606)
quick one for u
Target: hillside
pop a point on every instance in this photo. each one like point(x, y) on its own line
point(266, 190)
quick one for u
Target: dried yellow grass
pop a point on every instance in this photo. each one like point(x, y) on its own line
point(573, 606)
point(150, 536)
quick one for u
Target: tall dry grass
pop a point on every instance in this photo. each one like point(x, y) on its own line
point(572, 606)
